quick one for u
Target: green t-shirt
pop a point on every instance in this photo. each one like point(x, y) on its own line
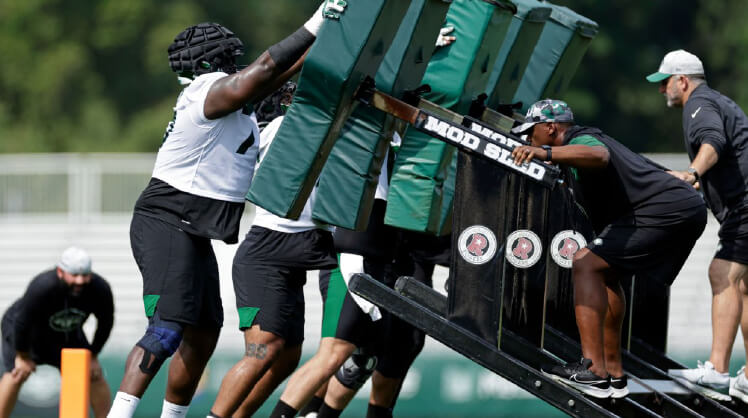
point(588, 140)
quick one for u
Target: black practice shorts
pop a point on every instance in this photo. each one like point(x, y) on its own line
point(269, 272)
point(180, 273)
point(343, 318)
point(377, 241)
point(404, 343)
point(393, 341)
point(660, 250)
point(428, 249)
point(46, 352)
point(388, 253)
point(733, 237)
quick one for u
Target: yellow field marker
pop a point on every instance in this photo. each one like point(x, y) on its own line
point(76, 382)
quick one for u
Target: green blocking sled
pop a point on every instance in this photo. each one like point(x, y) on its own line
point(417, 198)
point(515, 53)
point(523, 42)
point(348, 182)
point(346, 51)
point(557, 55)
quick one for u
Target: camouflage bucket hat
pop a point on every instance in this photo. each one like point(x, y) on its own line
point(547, 110)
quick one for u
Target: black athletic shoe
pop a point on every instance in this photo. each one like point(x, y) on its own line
point(578, 376)
point(619, 386)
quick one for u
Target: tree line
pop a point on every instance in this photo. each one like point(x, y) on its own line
point(84, 76)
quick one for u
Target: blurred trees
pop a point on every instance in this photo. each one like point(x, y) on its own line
point(609, 89)
point(93, 76)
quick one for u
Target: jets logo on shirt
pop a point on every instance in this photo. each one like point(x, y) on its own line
point(67, 320)
point(564, 245)
point(477, 244)
point(523, 248)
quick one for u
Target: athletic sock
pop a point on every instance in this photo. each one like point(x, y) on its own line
point(123, 405)
point(172, 410)
point(311, 406)
point(213, 415)
point(376, 411)
point(326, 411)
point(283, 410)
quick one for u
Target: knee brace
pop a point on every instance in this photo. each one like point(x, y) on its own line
point(160, 341)
point(356, 370)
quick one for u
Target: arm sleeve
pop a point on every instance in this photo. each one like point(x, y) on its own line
point(26, 315)
point(706, 126)
point(104, 313)
point(286, 52)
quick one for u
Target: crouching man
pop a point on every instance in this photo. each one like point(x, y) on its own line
point(50, 317)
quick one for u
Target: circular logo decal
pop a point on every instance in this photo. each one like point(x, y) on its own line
point(523, 248)
point(477, 244)
point(564, 245)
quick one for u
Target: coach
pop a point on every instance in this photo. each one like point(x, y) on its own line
point(50, 317)
point(716, 136)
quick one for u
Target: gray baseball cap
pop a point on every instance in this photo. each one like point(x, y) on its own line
point(677, 62)
point(75, 260)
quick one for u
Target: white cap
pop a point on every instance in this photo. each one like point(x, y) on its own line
point(75, 260)
point(677, 62)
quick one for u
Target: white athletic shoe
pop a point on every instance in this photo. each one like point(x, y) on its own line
point(705, 380)
point(739, 386)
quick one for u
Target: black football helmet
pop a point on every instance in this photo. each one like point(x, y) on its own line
point(204, 48)
point(275, 104)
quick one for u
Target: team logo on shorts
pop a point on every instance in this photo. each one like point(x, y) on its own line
point(564, 245)
point(523, 248)
point(477, 244)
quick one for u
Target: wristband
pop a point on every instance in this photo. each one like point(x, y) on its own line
point(547, 149)
point(315, 22)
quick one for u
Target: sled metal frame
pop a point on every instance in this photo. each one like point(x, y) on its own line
point(515, 358)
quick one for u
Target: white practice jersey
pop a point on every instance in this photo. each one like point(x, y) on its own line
point(383, 186)
point(269, 220)
point(209, 158)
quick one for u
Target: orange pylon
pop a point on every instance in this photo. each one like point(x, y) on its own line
point(76, 383)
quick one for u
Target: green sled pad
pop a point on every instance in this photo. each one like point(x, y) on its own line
point(559, 51)
point(348, 182)
point(345, 52)
point(515, 52)
point(457, 74)
point(448, 194)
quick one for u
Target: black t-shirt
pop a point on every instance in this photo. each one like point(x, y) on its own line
point(630, 186)
point(48, 316)
point(197, 215)
point(712, 118)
